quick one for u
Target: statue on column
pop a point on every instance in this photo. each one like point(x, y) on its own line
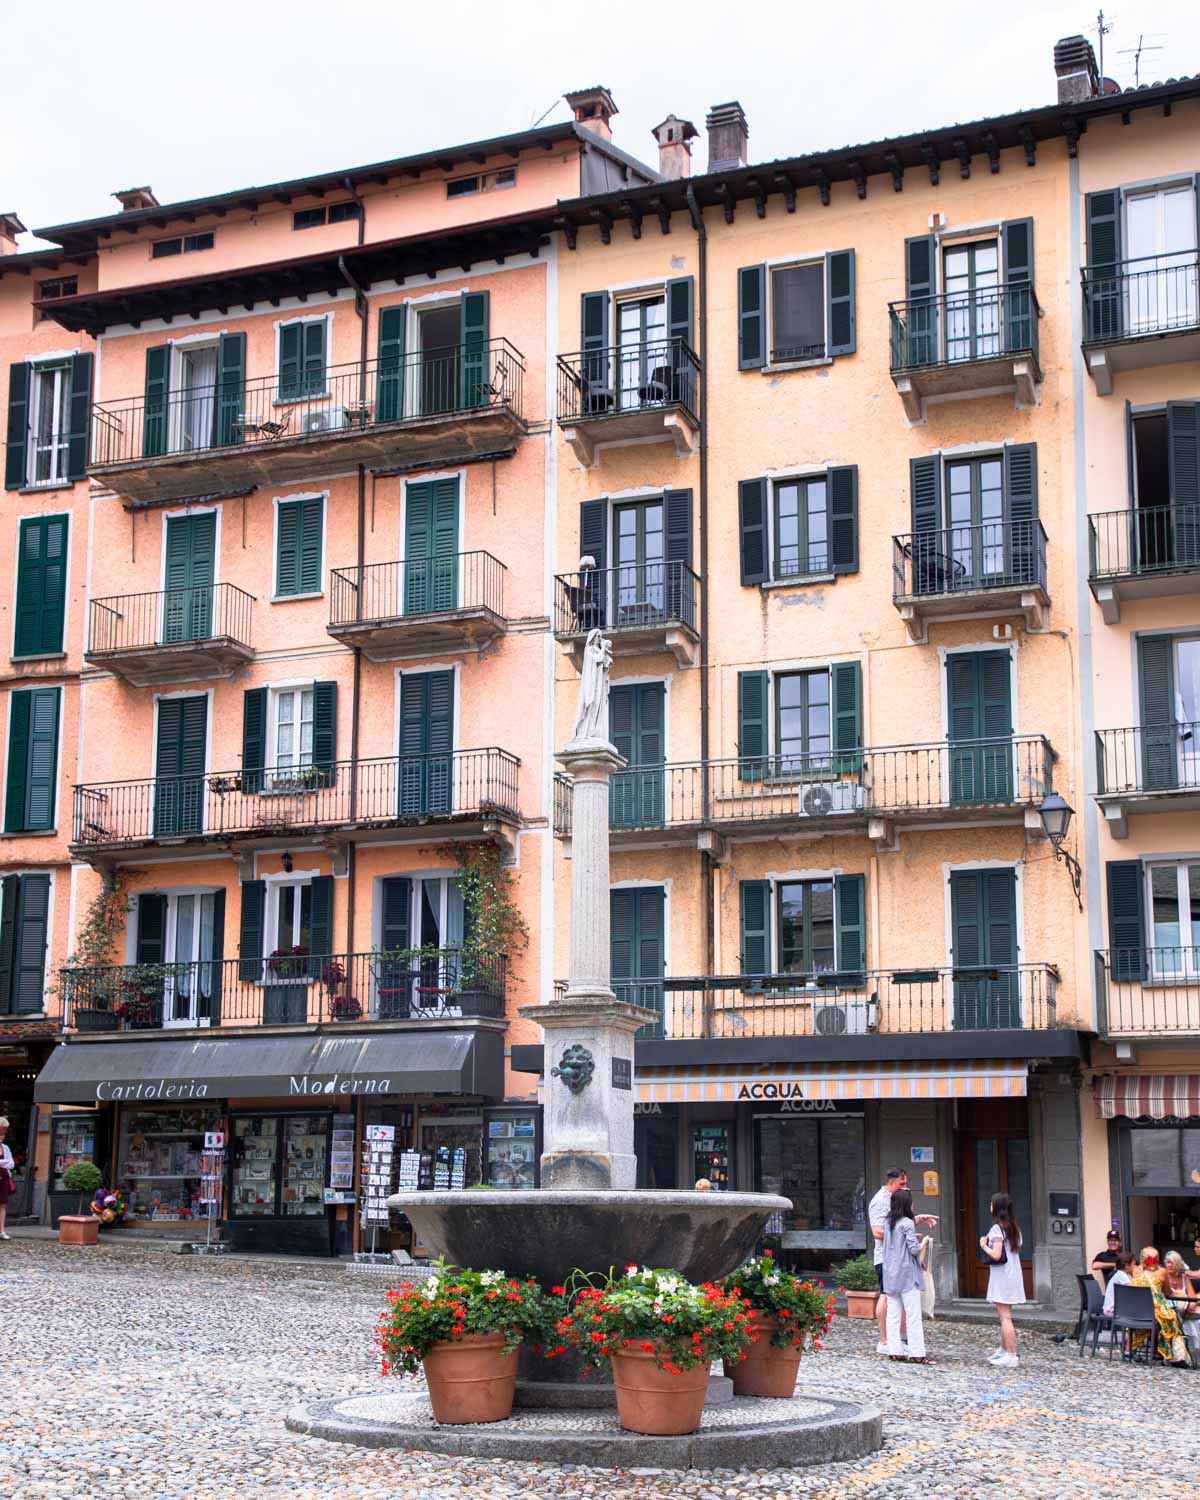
point(591, 716)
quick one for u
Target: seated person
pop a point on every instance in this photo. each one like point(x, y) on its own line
point(1175, 1285)
point(1105, 1262)
point(1169, 1342)
point(1194, 1276)
point(1122, 1275)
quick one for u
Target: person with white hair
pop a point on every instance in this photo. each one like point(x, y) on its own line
point(7, 1166)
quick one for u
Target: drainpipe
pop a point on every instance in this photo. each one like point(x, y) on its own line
point(706, 860)
point(348, 182)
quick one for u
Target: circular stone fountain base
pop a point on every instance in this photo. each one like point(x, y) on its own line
point(742, 1434)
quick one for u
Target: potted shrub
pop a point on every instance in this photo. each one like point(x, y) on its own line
point(661, 1334)
point(861, 1285)
point(82, 1177)
point(464, 1329)
point(786, 1312)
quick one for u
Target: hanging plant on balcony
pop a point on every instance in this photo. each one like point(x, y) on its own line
point(492, 922)
point(90, 984)
point(289, 963)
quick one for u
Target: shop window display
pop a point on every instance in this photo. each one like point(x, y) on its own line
point(159, 1162)
point(819, 1164)
point(280, 1166)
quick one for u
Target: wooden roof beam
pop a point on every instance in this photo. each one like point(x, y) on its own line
point(634, 210)
point(992, 147)
point(896, 167)
point(760, 196)
point(963, 152)
point(821, 177)
point(604, 219)
point(663, 209)
point(929, 155)
point(855, 168)
point(569, 229)
point(787, 187)
point(729, 201)
point(1030, 145)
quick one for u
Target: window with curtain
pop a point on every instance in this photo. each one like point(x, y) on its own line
point(50, 423)
point(1174, 905)
point(292, 729)
point(798, 313)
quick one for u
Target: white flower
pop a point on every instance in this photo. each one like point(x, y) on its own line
point(771, 1280)
point(491, 1278)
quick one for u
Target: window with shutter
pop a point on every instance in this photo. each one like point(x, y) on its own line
point(41, 586)
point(473, 341)
point(1171, 910)
point(20, 377)
point(49, 417)
point(393, 327)
point(979, 706)
point(431, 546)
point(636, 920)
point(752, 519)
point(31, 781)
point(636, 716)
point(299, 546)
point(181, 752)
point(983, 915)
point(425, 773)
point(24, 913)
point(1160, 734)
point(302, 359)
point(752, 316)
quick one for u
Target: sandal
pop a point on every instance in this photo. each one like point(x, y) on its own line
point(914, 1359)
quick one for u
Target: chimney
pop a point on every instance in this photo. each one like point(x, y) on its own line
point(728, 135)
point(131, 199)
point(593, 109)
point(674, 137)
point(10, 227)
point(1075, 66)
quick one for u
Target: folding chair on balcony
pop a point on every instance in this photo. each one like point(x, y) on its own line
point(595, 399)
point(585, 604)
point(658, 387)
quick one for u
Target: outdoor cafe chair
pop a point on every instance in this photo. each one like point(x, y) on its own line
point(1133, 1312)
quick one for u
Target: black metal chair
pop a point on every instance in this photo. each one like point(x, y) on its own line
point(595, 398)
point(1133, 1312)
point(1093, 1318)
point(586, 603)
point(1080, 1279)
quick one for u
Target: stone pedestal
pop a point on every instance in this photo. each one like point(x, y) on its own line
point(590, 765)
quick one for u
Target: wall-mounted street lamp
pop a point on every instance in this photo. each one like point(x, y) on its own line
point(285, 859)
point(1056, 814)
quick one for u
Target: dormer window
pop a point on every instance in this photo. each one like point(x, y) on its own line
point(182, 244)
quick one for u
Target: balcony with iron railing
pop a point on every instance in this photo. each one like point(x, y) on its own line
point(1142, 553)
point(1149, 768)
point(866, 1002)
point(1148, 993)
point(954, 571)
point(467, 790)
point(962, 344)
point(642, 607)
point(629, 393)
point(1140, 313)
point(179, 635)
point(292, 989)
point(398, 609)
point(892, 786)
point(439, 406)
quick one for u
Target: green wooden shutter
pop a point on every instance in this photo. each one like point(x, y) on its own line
point(217, 978)
point(636, 715)
point(845, 692)
point(841, 490)
point(1021, 504)
point(179, 766)
point(43, 758)
point(18, 762)
point(231, 388)
point(680, 595)
point(926, 546)
point(393, 980)
point(311, 518)
point(287, 548)
point(254, 739)
point(636, 947)
point(623, 934)
point(978, 690)
point(473, 336)
point(426, 743)
point(298, 546)
point(1183, 470)
point(10, 886)
point(593, 343)
point(983, 924)
point(752, 317)
point(320, 923)
point(16, 469)
point(41, 579)
point(431, 546)
point(157, 400)
point(1160, 737)
point(754, 905)
point(312, 380)
point(681, 331)
point(396, 908)
point(839, 302)
point(850, 924)
point(752, 725)
point(29, 947)
point(1016, 238)
point(1126, 882)
point(190, 568)
point(1103, 316)
point(290, 352)
point(752, 522)
point(324, 738)
point(250, 943)
point(593, 543)
point(389, 391)
point(919, 344)
point(151, 942)
point(80, 416)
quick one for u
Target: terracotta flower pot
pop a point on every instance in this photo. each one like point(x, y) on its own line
point(654, 1401)
point(766, 1370)
point(471, 1379)
point(78, 1229)
point(861, 1304)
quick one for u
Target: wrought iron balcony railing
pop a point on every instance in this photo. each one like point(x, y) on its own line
point(418, 586)
point(957, 328)
point(968, 559)
point(1144, 541)
point(881, 781)
point(899, 1001)
point(1148, 991)
point(634, 596)
point(292, 989)
point(1149, 758)
point(628, 378)
point(396, 790)
point(334, 400)
point(1153, 294)
point(133, 622)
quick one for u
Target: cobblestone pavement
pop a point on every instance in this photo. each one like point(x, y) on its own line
point(125, 1371)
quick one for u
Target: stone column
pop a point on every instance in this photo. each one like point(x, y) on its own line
point(589, 972)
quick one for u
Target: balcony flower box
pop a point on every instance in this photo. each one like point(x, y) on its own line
point(95, 1018)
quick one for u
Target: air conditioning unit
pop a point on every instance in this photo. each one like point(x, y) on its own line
point(823, 799)
point(845, 1017)
point(328, 419)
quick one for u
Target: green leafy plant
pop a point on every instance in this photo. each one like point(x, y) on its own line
point(659, 1313)
point(101, 927)
point(800, 1308)
point(858, 1274)
point(82, 1177)
point(451, 1304)
point(492, 920)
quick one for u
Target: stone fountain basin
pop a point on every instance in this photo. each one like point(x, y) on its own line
point(547, 1233)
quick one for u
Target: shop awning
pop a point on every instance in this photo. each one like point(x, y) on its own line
point(902, 1081)
point(1157, 1095)
point(176, 1070)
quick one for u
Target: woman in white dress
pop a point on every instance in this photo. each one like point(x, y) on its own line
point(1006, 1284)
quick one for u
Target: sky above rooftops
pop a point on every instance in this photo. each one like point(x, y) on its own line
point(207, 98)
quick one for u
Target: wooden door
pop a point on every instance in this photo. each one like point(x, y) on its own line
point(992, 1160)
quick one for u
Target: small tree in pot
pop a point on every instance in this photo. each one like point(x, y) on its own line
point(82, 1177)
point(858, 1279)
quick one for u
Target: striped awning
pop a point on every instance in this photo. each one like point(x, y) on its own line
point(933, 1080)
point(1157, 1095)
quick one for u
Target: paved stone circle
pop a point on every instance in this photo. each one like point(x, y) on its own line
point(127, 1373)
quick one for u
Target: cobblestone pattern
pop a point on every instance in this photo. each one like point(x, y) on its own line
point(126, 1372)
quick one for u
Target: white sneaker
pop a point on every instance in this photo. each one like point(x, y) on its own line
point(3, 1236)
point(881, 1349)
point(1005, 1361)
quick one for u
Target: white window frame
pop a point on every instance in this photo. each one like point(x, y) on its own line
point(276, 691)
point(170, 938)
point(321, 395)
point(274, 886)
point(1189, 950)
point(60, 424)
point(794, 670)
